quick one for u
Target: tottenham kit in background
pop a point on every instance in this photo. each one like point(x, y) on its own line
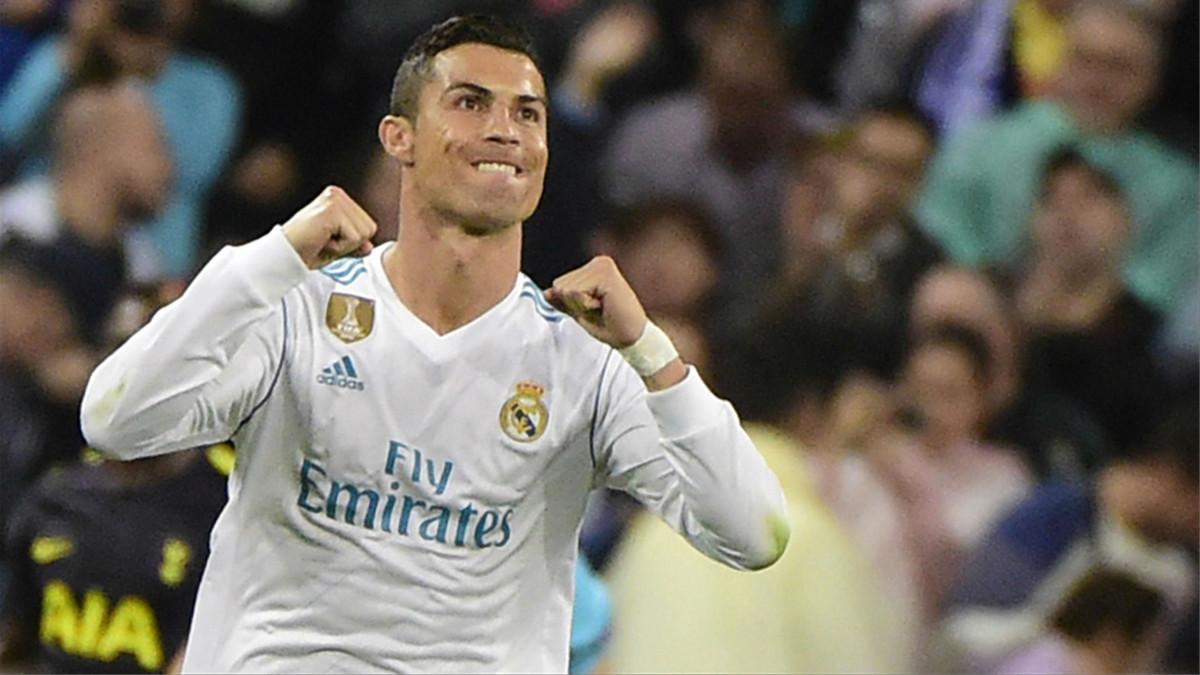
point(405, 500)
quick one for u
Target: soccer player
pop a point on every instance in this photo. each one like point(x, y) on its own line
point(418, 425)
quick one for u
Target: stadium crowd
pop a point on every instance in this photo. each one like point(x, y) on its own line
point(940, 254)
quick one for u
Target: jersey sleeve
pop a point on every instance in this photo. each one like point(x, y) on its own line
point(203, 364)
point(683, 453)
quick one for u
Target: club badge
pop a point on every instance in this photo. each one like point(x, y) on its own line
point(524, 417)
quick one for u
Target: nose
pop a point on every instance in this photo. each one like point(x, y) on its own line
point(501, 127)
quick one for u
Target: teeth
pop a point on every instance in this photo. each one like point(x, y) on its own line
point(497, 167)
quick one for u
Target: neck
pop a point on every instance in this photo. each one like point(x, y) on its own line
point(87, 206)
point(446, 276)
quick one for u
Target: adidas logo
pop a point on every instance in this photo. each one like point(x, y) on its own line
point(341, 374)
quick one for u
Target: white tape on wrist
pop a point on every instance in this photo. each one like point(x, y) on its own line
point(651, 352)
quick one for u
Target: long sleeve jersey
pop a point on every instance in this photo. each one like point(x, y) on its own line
point(406, 500)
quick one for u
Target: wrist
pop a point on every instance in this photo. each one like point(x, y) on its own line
point(651, 352)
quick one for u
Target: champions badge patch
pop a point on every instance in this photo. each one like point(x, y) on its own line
point(349, 317)
point(523, 417)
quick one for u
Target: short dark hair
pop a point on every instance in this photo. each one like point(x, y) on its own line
point(1107, 598)
point(1070, 157)
point(967, 340)
point(486, 29)
point(637, 220)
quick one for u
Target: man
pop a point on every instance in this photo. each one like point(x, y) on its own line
point(197, 100)
point(99, 185)
point(984, 181)
point(419, 430)
point(1086, 335)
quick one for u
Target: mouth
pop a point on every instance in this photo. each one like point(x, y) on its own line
point(497, 167)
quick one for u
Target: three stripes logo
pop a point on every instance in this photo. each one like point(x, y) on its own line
point(341, 374)
point(345, 271)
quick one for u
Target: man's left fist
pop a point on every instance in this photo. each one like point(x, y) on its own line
point(598, 297)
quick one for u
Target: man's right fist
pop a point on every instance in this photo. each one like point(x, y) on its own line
point(330, 227)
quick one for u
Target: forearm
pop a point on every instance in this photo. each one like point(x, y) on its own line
point(169, 385)
point(724, 497)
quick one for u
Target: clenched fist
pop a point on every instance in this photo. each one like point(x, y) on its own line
point(330, 227)
point(598, 297)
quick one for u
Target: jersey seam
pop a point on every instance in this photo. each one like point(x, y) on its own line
point(596, 409)
point(278, 369)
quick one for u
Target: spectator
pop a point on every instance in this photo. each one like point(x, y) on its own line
point(669, 252)
point(851, 252)
point(40, 347)
point(1088, 336)
point(198, 102)
point(989, 55)
point(608, 50)
point(1100, 628)
point(950, 484)
point(718, 141)
point(1056, 434)
point(1140, 518)
point(807, 385)
point(92, 593)
point(281, 53)
point(99, 185)
point(679, 613)
point(984, 181)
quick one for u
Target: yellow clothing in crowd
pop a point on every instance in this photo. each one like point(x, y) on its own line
point(818, 609)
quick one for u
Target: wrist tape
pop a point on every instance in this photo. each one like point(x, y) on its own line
point(651, 352)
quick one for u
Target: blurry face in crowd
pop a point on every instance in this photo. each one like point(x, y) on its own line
point(942, 385)
point(880, 169)
point(478, 148)
point(966, 298)
point(1079, 225)
point(139, 162)
point(1111, 69)
point(669, 267)
point(745, 84)
point(1156, 498)
point(36, 321)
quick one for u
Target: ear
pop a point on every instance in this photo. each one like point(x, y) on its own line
point(396, 136)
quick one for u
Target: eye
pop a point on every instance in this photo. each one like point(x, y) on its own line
point(470, 102)
point(530, 114)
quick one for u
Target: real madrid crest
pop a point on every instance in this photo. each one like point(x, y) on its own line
point(349, 317)
point(524, 417)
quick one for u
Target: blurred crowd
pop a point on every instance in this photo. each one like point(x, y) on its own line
point(940, 254)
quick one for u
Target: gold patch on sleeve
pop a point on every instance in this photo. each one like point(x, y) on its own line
point(349, 317)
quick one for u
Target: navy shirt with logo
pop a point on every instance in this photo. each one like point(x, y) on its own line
point(106, 576)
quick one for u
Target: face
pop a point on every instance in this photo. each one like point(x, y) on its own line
point(942, 385)
point(881, 168)
point(476, 154)
point(1078, 225)
point(966, 298)
point(1110, 72)
point(31, 342)
point(669, 267)
point(142, 168)
point(1156, 498)
point(745, 86)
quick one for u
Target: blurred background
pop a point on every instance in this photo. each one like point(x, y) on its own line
point(940, 254)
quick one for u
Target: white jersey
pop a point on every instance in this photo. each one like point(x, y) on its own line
point(403, 500)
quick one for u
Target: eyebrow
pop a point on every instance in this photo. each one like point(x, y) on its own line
point(487, 93)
